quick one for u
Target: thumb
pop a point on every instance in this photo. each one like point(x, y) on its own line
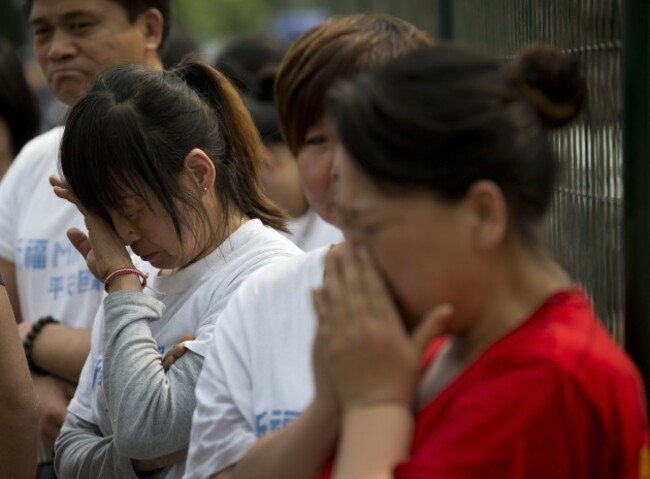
point(80, 241)
point(435, 323)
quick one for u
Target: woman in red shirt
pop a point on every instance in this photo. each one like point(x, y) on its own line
point(443, 178)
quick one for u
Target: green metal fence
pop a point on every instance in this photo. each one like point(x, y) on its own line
point(598, 240)
point(585, 225)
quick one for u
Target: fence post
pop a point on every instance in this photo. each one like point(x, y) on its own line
point(445, 20)
point(636, 181)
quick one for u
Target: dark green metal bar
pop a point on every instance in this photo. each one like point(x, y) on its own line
point(636, 179)
point(445, 20)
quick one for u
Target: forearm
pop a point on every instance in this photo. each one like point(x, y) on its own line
point(150, 409)
point(374, 440)
point(17, 402)
point(141, 466)
point(82, 452)
point(301, 450)
point(61, 351)
point(8, 270)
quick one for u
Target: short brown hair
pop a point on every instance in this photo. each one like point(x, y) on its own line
point(338, 49)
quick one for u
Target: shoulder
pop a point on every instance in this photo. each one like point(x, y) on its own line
point(566, 356)
point(46, 144)
point(287, 274)
point(42, 152)
point(275, 294)
point(254, 241)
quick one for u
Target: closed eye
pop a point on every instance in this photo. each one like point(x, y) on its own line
point(316, 140)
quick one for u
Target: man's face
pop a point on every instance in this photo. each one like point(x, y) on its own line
point(75, 40)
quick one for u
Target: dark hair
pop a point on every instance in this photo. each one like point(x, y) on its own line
point(135, 128)
point(340, 48)
point(247, 58)
point(134, 9)
point(18, 106)
point(445, 117)
point(259, 101)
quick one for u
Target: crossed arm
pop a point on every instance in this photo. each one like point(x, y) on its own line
point(149, 409)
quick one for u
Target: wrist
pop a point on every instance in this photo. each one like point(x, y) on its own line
point(30, 338)
point(129, 278)
point(379, 403)
point(325, 408)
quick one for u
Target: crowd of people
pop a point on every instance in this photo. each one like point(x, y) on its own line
point(314, 259)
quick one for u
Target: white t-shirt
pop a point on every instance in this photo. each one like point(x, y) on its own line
point(193, 297)
point(52, 277)
point(257, 376)
point(311, 232)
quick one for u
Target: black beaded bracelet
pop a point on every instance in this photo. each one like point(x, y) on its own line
point(28, 342)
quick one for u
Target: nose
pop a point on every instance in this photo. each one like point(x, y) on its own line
point(61, 46)
point(126, 231)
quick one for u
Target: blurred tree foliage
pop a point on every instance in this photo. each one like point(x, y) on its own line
point(208, 18)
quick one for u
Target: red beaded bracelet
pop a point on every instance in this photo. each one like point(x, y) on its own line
point(122, 271)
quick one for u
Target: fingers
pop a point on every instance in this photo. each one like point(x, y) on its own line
point(435, 323)
point(168, 361)
point(358, 302)
point(172, 355)
point(331, 299)
point(375, 287)
point(57, 181)
point(176, 352)
point(80, 241)
point(62, 190)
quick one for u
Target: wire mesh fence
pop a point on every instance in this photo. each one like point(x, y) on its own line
point(584, 228)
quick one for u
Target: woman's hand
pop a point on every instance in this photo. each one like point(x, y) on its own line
point(102, 248)
point(361, 342)
point(176, 352)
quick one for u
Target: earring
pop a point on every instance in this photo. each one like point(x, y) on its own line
point(205, 188)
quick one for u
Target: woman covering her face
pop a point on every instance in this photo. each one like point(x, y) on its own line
point(456, 346)
point(166, 164)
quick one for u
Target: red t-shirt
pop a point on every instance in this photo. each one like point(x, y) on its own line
point(556, 398)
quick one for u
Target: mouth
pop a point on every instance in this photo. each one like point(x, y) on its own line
point(64, 74)
point(147, 257)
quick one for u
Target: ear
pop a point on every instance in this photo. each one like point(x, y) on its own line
point(201, 169)
point(152, 22)
point(490, 210)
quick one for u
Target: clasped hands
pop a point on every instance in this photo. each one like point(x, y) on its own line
point(363, 354)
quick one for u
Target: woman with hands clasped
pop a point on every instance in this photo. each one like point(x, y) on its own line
point(166, 163)
point(442, 182)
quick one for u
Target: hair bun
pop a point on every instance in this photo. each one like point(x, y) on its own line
point(551, 82)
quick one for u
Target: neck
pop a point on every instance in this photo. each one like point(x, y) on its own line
point(523, 282)
point(152, 60)
point(218, 235)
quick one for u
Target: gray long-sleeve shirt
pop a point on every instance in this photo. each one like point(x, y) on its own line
point(126, 406)
point(150, 410)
